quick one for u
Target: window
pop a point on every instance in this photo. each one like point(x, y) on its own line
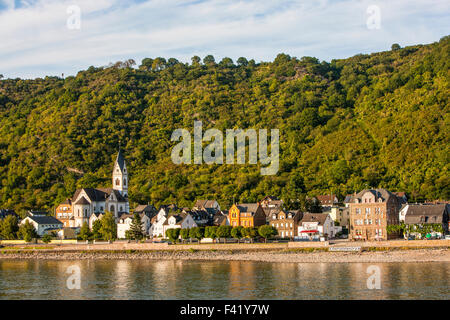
point(357, 211)
point(117, 182)
point(367, 210)
point(124, 182)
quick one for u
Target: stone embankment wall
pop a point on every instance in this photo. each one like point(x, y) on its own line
point(235, 246)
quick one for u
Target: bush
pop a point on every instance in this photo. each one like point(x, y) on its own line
point(46, 238)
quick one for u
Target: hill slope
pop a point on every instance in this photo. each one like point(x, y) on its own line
point(378, 120)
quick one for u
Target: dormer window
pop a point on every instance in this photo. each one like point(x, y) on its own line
point(274, 217)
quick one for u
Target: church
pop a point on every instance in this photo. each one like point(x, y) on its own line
point(89, 201)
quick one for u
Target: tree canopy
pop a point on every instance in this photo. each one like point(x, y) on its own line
point(372, 120)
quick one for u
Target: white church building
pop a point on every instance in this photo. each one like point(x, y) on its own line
point(88, 201)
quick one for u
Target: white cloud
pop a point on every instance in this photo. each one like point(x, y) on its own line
point(36, 42)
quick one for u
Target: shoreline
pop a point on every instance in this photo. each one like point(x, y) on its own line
point(274, 256)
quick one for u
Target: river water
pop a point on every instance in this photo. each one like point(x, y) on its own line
point(196, 280)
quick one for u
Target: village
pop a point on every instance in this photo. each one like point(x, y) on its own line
point(105, 214)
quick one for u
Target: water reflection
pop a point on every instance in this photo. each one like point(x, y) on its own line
point(141, 279)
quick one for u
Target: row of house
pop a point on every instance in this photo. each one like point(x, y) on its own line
point(366, 214)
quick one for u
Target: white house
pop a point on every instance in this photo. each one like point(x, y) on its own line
point(43, 224)
point(315, 225)
point(178, 221)
point(156, 229)
point(124, 224)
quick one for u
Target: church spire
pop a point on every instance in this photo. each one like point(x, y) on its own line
point(120, 174)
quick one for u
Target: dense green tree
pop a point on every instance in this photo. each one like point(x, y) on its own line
point(173, 234)
point(184, 234)
point(136, 232)
point(236, 232)
point(96, 227)
point(27, 231)
point(193, 232)
point(9, 227)
point(195, 60)
point(211, 232)
point(242, 61)
point(109, 227)
point(85, 232)
point(267, 232)
point(250, 233)
point(209, 60)
point(199, 233)
point(223, 232)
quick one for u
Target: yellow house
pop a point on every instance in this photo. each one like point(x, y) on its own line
point(247, 215)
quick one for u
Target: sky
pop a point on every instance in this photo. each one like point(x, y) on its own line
point(41, 38)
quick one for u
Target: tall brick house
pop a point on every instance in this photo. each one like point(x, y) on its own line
point(371, 211)
point(286, 223)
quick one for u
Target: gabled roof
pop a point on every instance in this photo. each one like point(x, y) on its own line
point(270, 211)
point(37, 213)
point(82, 201)
point(99, 194)
point(219, 220)
point(436, 213)
point(204, 204)
point(179, 218)
point(247, 207)
point(45, 220)
point(384, 194)
point(120, 160)
point(270, 198)
point(348, 198)
point(326, 199)
point(296, 215)
point(314, 217)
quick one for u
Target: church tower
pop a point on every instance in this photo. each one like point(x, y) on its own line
point(120, 175)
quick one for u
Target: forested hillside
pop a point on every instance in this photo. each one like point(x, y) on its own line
point(378, 120)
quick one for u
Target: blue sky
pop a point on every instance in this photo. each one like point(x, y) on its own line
point(35, 40)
